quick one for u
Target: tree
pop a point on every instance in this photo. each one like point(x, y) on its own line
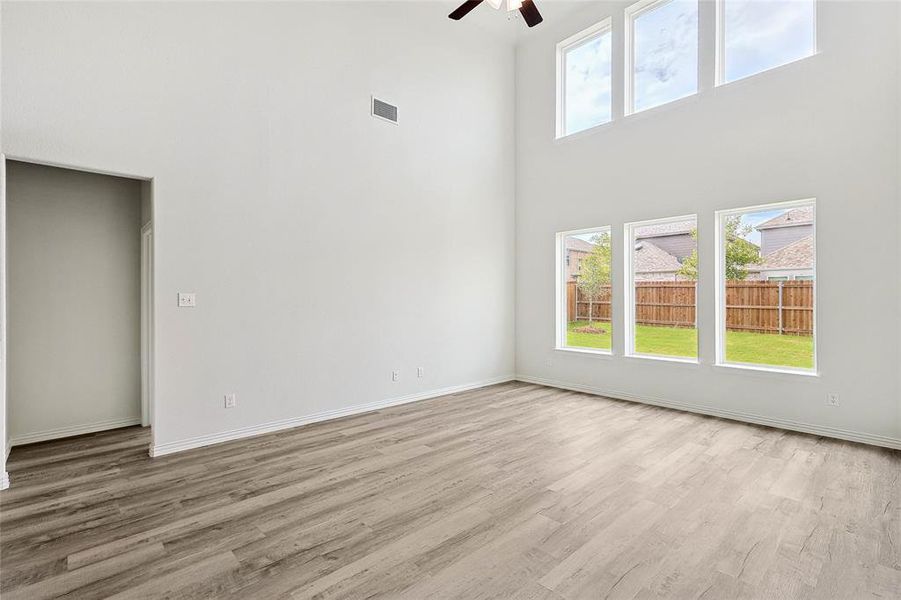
point(739, 252)
point(594, 271)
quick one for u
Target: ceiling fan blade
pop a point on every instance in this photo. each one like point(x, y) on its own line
point(464, 9)
point(530, 13)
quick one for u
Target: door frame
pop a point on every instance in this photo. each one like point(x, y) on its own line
point(147, 322)
point(148, 349)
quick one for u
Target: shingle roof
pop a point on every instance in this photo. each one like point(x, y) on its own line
point(676, 228)
point(797, 255)
point(574, 243)
point(795, 216)
point(653, 259)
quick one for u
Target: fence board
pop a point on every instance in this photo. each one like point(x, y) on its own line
point(758, 306)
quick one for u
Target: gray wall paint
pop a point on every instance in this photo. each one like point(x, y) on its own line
point(74, 298)
point(326, 248)
point(780, 237)
point(823, 127)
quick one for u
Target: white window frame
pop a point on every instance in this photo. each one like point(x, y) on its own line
point(632, 13)
point(560, 304)
point(720, 59)
point(629, 325)
point(720, 220)
point(583, 37)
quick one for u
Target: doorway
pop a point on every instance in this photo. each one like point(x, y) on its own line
point(79, 315)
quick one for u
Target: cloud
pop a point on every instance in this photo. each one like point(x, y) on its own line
point(666, 53)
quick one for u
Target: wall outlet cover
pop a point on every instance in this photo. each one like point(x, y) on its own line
point(187, 299)
point(231, 400)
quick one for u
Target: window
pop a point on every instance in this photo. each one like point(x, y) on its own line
point(766, 273)
point(584, 311)
point(584, 80)
point(662, 265)
point(661, 52)
point(756, 35)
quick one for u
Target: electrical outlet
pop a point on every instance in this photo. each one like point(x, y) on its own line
point(420, 372)
point(395, 375)
point(231, 400)
point(832, 398)
point(187, 299)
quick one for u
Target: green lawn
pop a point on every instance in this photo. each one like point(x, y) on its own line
point(760, 348)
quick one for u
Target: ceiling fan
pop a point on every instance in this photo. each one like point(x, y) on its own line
point(526, 8)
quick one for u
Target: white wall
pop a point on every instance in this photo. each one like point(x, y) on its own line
point(326, 248)
point(825, 127)
point(73, 240)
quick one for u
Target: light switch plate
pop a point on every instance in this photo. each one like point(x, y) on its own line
point(187, 300)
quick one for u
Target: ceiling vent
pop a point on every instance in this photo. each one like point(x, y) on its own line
point(383, 110)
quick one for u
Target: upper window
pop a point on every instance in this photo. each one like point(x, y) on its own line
point(584, 80)
point(585, 278)
point(661, 291)
point(766, 273)
point(756, 35)
point(661, 52)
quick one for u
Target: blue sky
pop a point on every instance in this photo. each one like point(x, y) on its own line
point(756, 218)
point(760, 34)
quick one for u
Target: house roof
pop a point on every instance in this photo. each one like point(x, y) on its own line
point(650, 258)
point(662, 229)
point(574, 243)
point(795, 216)
point(797, 255)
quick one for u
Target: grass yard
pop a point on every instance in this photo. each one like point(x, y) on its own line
point(759, 348)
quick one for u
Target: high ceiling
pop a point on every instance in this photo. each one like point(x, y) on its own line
point(510, 26)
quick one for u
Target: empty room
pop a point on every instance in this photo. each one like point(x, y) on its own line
point(414, 299)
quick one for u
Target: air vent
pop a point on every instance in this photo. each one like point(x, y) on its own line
point(383, 110)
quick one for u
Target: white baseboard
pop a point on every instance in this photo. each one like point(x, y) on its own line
point(832, 432)
point(4, 480)
point(253, 430)
point(62, 432)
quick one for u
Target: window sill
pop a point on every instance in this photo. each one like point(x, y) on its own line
point(582, 132)
point(606, 353)
point(661, 358)
point(761, 369)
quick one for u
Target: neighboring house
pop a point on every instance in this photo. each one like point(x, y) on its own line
point(661, 249)
point(653, 263)
point(576, 251)
point(673, 238)
point(785, 229)
point(786, 247)
point(793, 261)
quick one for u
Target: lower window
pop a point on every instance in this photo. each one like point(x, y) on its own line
point(766, 277)
point(585, 290)
point(662, 288)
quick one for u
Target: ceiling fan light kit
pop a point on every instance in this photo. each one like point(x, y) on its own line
point(526, 8)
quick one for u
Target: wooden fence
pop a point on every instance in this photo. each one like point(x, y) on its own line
point(756, 306)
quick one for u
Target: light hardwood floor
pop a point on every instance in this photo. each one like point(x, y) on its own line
point(512, 491)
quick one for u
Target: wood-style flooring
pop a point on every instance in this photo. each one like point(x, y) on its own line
point(513, 491)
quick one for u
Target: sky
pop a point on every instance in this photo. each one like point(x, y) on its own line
point(762, 34)
point(759, 35)
point(666, 54)
point(588, 84)
point(756, 218)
